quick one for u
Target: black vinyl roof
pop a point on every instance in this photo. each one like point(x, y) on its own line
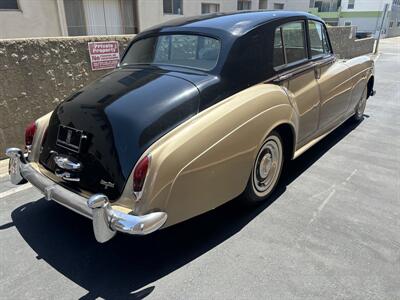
point(236, 23)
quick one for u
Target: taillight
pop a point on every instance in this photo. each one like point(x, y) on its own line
point(29, 133)
point(139, 174)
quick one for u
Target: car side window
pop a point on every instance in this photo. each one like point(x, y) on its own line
point(294, 42)
point(289, 44)
point(318, 39)
point(278, 55)
point(325, 41)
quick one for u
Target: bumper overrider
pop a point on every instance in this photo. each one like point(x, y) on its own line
point(106, 220)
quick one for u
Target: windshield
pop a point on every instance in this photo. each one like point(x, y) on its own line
point(193, 51)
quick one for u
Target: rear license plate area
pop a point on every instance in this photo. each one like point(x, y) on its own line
point(69, 138)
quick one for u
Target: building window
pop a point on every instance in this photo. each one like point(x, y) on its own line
point(347, 23)
point(244, 5)
point(325, 5)
point(391, 24)
point(350, 5)
point(263, 4)
point(279, 6)
point(9, 5)
point(207, 8)
point(398, 23)
point(98, 17)
point(174, 7)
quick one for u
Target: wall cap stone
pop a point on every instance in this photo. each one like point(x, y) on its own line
point(69, 38)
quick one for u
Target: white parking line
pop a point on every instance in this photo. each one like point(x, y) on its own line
point(15, 190)
point(390, 53)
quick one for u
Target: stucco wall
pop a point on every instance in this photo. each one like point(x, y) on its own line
point(151, 11)
point(36, 74)
point(366, 24)
point(365, 5)
point(395, 18)
point(302, 5)
point(345, 45)
point(35, 18)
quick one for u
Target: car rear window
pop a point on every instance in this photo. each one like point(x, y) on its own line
point(193, 51)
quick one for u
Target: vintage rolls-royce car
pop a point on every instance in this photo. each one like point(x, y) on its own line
point(199, 111)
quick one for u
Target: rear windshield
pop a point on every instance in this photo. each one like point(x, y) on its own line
point(193, 51)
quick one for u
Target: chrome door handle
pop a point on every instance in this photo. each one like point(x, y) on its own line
point(317, 72)
point(283, 77)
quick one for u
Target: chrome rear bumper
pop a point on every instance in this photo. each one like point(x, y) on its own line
point(106, 220)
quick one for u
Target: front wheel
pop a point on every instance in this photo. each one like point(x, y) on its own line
point(266, 170)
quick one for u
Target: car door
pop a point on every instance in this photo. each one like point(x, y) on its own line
point(297, 76)
point(333, 77)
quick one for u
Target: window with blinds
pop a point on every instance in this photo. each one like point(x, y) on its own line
point(100, 17)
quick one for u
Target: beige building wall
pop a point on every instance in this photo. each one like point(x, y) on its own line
point(151, 11)
point(46, 18)
point(36, 18)
point(301, 5)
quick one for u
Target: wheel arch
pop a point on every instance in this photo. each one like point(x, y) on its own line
point(370, 86)
point(288, 135)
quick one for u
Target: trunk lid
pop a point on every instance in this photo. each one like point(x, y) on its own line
point(108, 125)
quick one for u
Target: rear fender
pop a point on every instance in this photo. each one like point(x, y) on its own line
point(206, 161)
point(41, 126)
point(361, 69)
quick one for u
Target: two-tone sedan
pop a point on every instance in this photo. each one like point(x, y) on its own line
point(200, 111)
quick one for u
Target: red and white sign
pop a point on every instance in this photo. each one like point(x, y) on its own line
point(103, 55)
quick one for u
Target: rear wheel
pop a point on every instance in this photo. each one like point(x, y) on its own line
point(266, 170)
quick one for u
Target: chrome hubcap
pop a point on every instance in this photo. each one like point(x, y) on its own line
point(267, 166)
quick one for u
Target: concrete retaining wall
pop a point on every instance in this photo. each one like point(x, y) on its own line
point(345, 45)
point(36, 74)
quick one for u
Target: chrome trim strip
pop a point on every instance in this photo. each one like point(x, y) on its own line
point(106, 220)
point(285, 75)
point(64, 175)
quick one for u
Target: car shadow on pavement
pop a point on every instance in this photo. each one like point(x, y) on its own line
point(124, 267)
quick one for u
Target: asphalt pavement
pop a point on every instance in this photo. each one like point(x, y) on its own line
point(331, 231)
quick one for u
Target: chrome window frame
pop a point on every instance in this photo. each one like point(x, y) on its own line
point(288, 71)
point(324, 36)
